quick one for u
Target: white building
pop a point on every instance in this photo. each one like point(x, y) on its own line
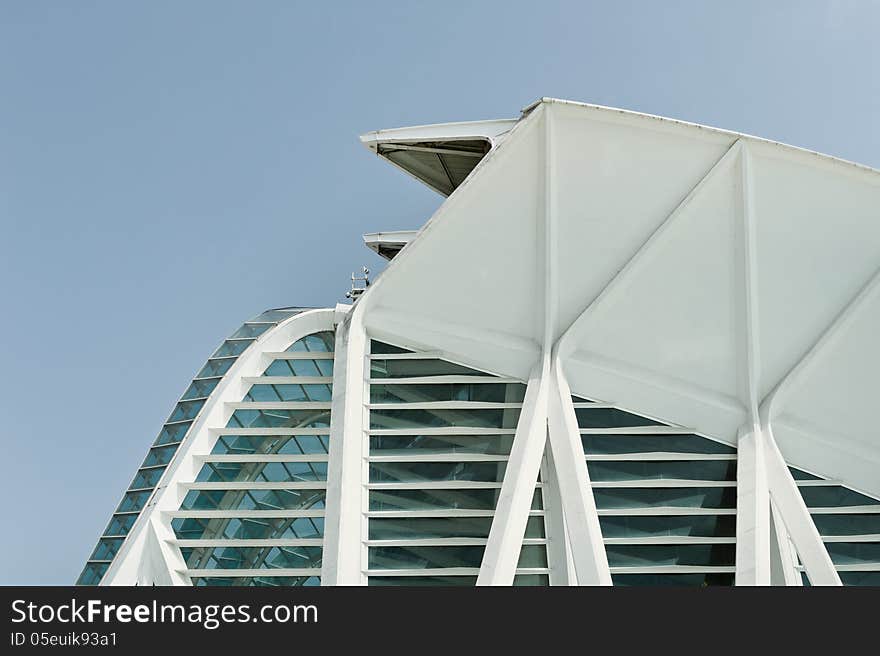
point(625, 350)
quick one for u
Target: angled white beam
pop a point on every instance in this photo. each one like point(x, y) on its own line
point(796, 517)
point(578, 504)
point(518, 489)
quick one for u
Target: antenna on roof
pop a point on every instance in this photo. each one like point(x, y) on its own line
point(355, 291)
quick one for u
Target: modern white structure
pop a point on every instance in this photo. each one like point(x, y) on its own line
point(624, 350)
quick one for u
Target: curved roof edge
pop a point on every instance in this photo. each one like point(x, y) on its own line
point(698, 126)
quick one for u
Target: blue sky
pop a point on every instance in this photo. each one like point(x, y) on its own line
point(169, 169)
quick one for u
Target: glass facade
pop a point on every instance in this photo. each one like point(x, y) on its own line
point(666, 499)
point(439, 437)
point(849, 523)
point(258, 501)
point(171, 435)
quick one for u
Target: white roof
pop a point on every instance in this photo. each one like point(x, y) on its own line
point(681, 271)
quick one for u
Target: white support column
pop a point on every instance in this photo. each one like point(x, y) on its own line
point(518, 489)
point(752, 492)
point(752, 509)
point(344, 522)
point(578, 503)
point(794, 513)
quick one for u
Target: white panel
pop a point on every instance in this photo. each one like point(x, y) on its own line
point(818, 241)
point(838, 393)
point(828, 421)
point(617, 177)
point(673, 312)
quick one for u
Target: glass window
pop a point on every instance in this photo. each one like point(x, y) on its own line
point(318, 418)
point(322, 342)
point(120, 524)
point(186, 410)
point(696, 580)
point(482, 392)
point(611, 418)
point(380, 348)
point(799, 475)
point(412, 528)
point(253, 499)
point(848, 524)
point(276, 316)
point(216, 367)
point(133, 501)
point(828, 496)
point(159, 455)
point(146, 478)
point(625, 444)
point(233, 347)
point(106, 549)
point(249, 528)
point(300, 368)
point(698, 470)
point(261, 392)
point(641, 555)
point(253, 557)
point(425, 444)
point(282, 444)
point(257, 581)
point(677, 497)
point(250, 330)
point(665, 525)
point(200, 388)
point(172, 434)
point(483, 418)
point(272, 472)
point(411, 472)
point(860, 578)
point(447, 556)
point(849, 553)
point(418, 368)
point(438, 499)
point(423, 581)
point(531, 580)
point(92, 573)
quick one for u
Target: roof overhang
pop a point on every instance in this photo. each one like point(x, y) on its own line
point(389, 244)
point(442, 156)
